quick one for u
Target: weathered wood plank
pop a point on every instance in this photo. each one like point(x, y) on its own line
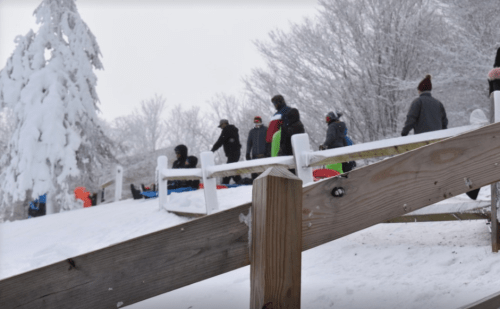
point(394, 187)
point(384, 148)
point(489, 302)
point(138, 269)
point(275, 271)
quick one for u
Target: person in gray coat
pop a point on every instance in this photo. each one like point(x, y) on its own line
point(256, 142)
point(335, 135)
point(426, 113)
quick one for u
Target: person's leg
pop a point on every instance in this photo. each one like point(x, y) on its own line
point(232, 159)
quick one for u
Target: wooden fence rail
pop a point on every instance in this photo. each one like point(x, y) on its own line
point(153, 264)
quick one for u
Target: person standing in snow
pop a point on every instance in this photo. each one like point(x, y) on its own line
point(494, 85)
point(335, 137)
point(494, 74)
point(183, 161)
point(293, 126)
point(278, 119)
point(230, 139)
point(426, 114)
point(256, 142)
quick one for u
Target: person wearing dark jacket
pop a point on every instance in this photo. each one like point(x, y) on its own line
point(256, 142)
point(335, 136)
point(494, 74)
point(183, 161)
point(230, 139)
point(426, 114)
point(278, 119)
point(291, 127)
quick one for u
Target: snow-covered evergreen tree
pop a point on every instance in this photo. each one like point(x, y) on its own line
point(49, 84)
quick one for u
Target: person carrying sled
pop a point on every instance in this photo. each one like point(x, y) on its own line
point(336, 136)
point(183, 161)
point(426, 113)
point(256, 142)
point(277, 120)
point(230, 139)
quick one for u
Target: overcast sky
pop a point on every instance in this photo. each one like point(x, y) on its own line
point(185, 50)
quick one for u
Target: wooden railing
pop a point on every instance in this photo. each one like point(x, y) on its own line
point(166, 260)
point(303, 161)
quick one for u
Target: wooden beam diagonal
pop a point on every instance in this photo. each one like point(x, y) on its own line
point(160, 262)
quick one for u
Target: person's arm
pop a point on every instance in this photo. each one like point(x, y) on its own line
point(412, 117)
point(444, 119)
point(222, 138)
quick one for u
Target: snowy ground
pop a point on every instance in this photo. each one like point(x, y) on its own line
point(398, 265)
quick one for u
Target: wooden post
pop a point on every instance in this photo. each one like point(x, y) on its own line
point(162, 163)
point(495, 188)
point(118, 183)
point(209, 184)
point(301, 146)
point(276, 241)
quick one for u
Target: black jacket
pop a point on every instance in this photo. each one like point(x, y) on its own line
point(230, 138)
point(426, 114)
point(293, 126)
point(184, 162)
point(256, 142)
point(335, 136)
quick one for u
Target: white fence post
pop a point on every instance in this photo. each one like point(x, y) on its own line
point(162, 163)
point(118, 183)
point(209, 184)
point(301, 147)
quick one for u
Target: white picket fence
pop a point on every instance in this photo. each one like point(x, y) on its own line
point(302, 161)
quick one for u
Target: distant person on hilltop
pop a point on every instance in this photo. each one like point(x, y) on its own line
point(426, 114)
point(336, 136)
point(230, 139)
point(292, 127)
point(277, 120)
point(256, 142)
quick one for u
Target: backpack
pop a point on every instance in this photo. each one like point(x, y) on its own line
point(348, 166)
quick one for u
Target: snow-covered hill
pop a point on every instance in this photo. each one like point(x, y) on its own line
point(398, 265)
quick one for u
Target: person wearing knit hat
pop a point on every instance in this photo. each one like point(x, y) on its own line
point(256, 142)
point(426, 113)
point(494, 74)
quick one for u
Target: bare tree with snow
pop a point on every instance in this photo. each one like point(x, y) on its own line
point(49, 84)
point(363, 58)
point(143, 131)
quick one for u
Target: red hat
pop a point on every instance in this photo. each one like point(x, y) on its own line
point(257, 119)
point(425, 84)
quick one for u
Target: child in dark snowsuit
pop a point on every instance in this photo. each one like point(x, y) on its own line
point(183, 161)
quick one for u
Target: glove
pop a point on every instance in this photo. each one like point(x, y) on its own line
point(404, 133)
point(248, 157)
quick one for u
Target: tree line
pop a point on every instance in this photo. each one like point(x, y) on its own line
point(360, 57)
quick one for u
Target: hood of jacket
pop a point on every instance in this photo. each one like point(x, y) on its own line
point(183, 151)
